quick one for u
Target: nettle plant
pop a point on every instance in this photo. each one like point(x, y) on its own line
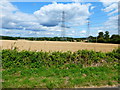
point(62, 60)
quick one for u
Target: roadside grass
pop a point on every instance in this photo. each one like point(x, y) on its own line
point(28, 69)
point(60, 78)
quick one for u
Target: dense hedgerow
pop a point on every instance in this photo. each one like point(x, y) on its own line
point(81, 58)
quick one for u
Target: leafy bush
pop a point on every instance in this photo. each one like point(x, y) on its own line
point(81, 58)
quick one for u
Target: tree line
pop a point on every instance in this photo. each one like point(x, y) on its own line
point(105, 38)
point(70, 39)
point(101, 38)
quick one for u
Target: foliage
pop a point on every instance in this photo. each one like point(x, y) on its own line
point(83, 68)
point(105, 38)
point(70, 39)
point(115, 39)
point(101, 35)
point(106, 35)
point(101, 38)
point(80, 58)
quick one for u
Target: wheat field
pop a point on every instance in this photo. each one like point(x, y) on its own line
point(55, 45)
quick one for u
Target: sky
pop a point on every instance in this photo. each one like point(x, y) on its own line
point(44, 19)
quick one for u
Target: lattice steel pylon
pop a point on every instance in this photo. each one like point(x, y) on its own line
point(88, 29)
point(63, 26)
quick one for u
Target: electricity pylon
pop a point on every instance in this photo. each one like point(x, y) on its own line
point(63, 26)
point(88, 29)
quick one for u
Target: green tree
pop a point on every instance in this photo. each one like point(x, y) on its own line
point(115, 39)
point(115, 36)
point(101, 40)
point(101, 35)
point(107, 36)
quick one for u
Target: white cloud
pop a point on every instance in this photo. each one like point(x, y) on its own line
point(74, 12)
point(49, 33)
point(111, 13)
point(46, 19)
point(12, 18)
point(110, 6)
point(100, 30)
point(112, 9)
point(92, 7)
point(108, 2)
point(83, 31)
point(77, 1)
point(73, 31)
point(49, 13)
point(5, 6)
point(110, 25)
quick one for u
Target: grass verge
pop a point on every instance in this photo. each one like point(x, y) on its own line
point(60, 78)
point(59, 69)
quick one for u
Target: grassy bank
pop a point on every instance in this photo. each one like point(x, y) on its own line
point(60, 78)
point(26, 69)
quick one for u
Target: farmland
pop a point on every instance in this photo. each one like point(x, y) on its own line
point(59, 44)
point(82, 68)
point(55, 45)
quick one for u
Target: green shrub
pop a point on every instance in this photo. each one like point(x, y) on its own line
point(80, 58)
